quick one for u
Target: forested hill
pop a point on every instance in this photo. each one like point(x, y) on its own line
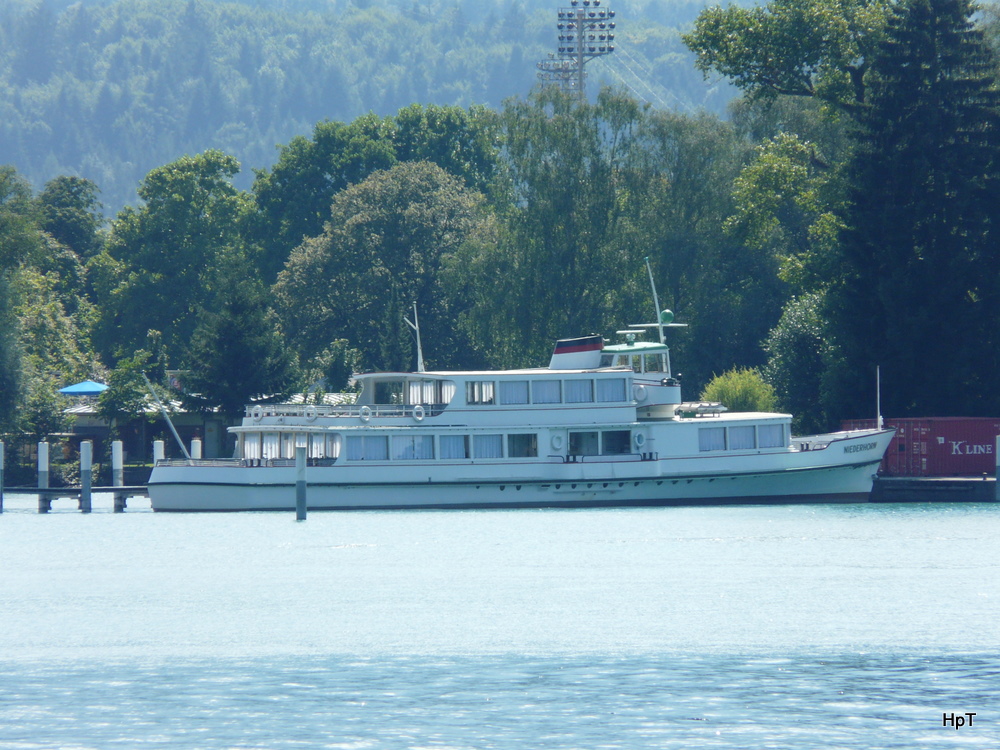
point(109, 91)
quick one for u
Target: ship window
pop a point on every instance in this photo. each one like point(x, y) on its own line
point(579, 391)
point(251, 445)
point(711, 438)
point(333, 446)
point(487, 446)
point(287, 445)
point(742, 438)
point(615, 442)
point(583, 444)
point(654, 363)
point(388, 392)
point(272, 445)
point(611, 389)
point(317, 445)
point(771, 436)
point(367, 448)
point(431, 391)
point(454, 446)
point(522, 445)
point(479, 392)
point(513, 391)
point(545, 392)
point(412, 447)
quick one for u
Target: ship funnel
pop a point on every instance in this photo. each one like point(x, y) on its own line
point(577, 354)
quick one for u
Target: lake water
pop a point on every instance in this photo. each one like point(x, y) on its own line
point(853, 626)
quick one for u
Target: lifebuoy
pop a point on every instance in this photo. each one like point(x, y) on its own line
point(311, 413)
point(557, 442)
point(639, 392)
point(639, 439)
point(418, 412)
point(365, 413)
point(257, 413)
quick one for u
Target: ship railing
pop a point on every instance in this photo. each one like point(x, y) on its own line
point(819, 442)
point(573, 458)
point(812, 443)
point(345, 411)
point(237, 463)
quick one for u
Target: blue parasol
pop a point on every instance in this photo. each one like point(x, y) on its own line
point(86, 388)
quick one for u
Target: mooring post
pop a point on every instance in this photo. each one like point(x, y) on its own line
point(117, 464)
point(118, 474)
point(1, 476)
point(86, 474)
point(300, 483)
point(44, 501)
point(196, 448)
point(158, 451)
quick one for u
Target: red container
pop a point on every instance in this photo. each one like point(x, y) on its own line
point(938, 446)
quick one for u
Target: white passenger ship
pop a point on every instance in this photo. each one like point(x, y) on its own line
point(600, 426)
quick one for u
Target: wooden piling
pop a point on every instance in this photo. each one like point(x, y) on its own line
point(86, 475)
point(117, 464)
point(44, 501)
point(300, 484)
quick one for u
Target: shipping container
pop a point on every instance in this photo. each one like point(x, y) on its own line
point(938, 446)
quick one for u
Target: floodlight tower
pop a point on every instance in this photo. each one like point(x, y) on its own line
point(586, 31)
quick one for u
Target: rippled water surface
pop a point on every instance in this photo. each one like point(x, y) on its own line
point(802, 627)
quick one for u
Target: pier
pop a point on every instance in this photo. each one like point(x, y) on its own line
point(47, 494)
point(85, 491)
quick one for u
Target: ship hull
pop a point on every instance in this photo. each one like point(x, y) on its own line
point(793, 477)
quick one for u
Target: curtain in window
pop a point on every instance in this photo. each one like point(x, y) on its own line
point(712, 438)
point(412, 447)
point(513, 391)
point(771, 435)
point(272, 445)
point(454, 446)
point(487, 446)
point(251, 445)
point(317, 446)
point(367, 448)
point(579, 391)
point(611, 389)
point(741, 438)
point(545, 392)
point(447, 391)
point(333, 446)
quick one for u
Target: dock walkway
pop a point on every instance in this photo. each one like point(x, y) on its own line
point(47, 494)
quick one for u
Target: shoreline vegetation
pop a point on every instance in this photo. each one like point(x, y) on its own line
point(512, 218)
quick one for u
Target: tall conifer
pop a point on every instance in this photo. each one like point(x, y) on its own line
point(920, 292)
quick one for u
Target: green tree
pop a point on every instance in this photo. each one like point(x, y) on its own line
point(393, 231)
point(295, 195)
point(798, 356)
point(19, 237)
point(556, 270)
point(741, 389)
point(919, 293)
point(72, 214)
point(238, 354)
point(10, 357)
point(783, 206)
point(819, 48)
point(127, 396)
point(159, 265)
